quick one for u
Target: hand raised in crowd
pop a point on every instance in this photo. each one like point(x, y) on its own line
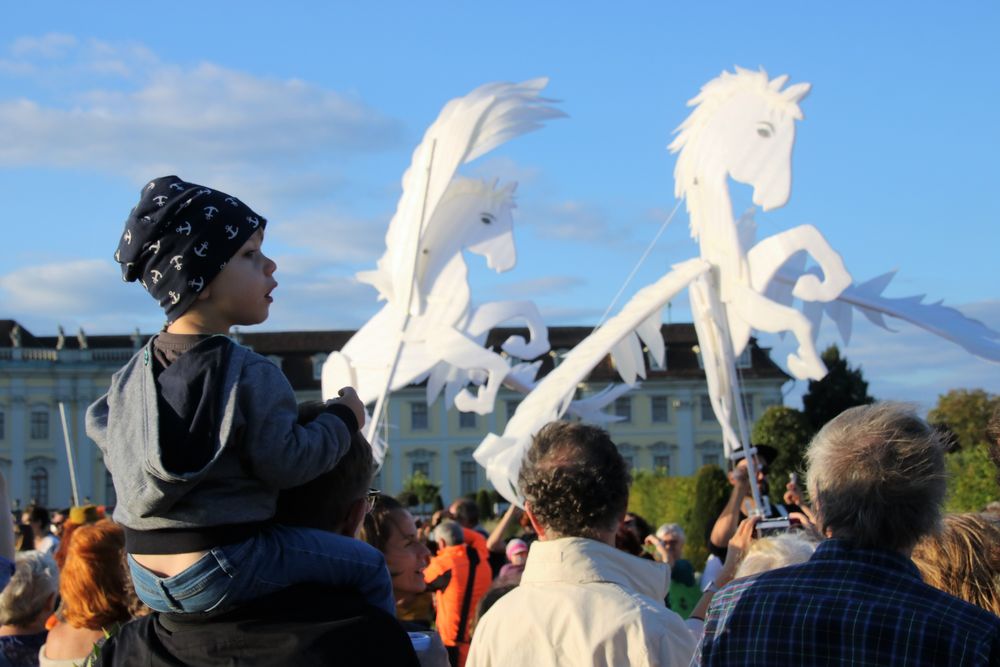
point(349, 397)
point(738, 547)
point(661, 555)
point(808, 521)
point(793, 495)
point(739, 476)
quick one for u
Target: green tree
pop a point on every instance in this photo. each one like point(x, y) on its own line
point(965, 412)
point(421, 488)
point(484, 504)
point(965, 415)
point(789, 431)
point(842, 388)
point(711, 490)
point(660, 498)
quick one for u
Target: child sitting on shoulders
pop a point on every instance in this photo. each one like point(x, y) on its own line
point(200, 433)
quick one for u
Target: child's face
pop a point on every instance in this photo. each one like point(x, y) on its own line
point(241, 293)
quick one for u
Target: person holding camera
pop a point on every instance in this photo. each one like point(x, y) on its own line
point(877, 479)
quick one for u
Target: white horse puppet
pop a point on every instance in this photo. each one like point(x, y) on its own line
point(428, 328)
point(743, 127)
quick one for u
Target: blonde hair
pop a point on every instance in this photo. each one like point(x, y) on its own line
point(770, 553)
point(963, 560)
point(877, 476)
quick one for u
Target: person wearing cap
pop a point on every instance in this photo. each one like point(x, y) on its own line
point(741, 502)
point(200, 433)
point(517, 554)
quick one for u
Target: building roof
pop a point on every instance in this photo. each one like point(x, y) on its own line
point(297, 350)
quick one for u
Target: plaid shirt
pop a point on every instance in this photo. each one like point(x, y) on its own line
point(845, 607)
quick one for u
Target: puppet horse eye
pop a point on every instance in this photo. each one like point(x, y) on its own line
point(486, 219)
point(764, 132)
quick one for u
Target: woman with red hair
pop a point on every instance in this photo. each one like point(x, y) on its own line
point(96, 592)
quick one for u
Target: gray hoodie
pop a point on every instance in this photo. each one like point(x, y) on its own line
point(255, 448)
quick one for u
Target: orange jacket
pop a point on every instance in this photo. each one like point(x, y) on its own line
point(449, 601)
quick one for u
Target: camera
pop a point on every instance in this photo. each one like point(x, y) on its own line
point(770, 527)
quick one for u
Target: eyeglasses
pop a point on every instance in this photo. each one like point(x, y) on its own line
point(371, 498)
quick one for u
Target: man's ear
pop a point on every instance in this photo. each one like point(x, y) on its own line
point(539, 530)
point(355, 518)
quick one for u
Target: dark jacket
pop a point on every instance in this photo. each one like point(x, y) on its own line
point(300, 625)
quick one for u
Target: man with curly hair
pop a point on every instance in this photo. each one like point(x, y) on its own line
point(581, 601)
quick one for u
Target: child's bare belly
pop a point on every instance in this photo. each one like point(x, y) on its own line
point(168, 565)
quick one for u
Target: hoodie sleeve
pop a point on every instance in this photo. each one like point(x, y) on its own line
point(281, 452)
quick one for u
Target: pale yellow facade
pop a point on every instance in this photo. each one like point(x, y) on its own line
point(667, 425)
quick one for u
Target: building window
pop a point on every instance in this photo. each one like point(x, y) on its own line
point(418, 416)
point(467, 420)
point(623, 408)
point(710, 459)
point(743, 361)
point(39, 491)
point(512, 408)
point(274, 359)
point(110, 498)
point(629, 462)
point(707, 413)
point(422, 467)
point(765, 404)
point(317, 362)
point(660, 409)
point(661, 464)
point(653, 362)
point(40, 424)
point(468, 477)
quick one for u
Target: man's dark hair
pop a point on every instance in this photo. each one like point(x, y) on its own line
point(467, 513)
point(575, 480)
point(323, 502)
point(39, 514)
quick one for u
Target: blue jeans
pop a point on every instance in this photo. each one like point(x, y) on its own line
point(275, 558)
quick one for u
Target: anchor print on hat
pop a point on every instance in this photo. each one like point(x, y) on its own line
point(178, 238)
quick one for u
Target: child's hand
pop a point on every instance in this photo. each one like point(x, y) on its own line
point(349, 398)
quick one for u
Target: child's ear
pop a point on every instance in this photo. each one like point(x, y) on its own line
point(205, 293)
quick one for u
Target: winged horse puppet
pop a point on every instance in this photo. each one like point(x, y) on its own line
point(742, 127)
point(428, 328)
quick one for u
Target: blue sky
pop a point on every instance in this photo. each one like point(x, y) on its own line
point(310, 112)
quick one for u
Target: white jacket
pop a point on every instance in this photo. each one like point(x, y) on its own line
point(582, 602)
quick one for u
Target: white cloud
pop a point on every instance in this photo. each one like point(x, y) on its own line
point(52, 45)
point(312, 302)
point(88, 293)
point(537, 287)
point(329, 237)
point(567, 220)
point(909, 364)
point(120, 109)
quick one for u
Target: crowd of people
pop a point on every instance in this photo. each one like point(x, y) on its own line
point(246, 531)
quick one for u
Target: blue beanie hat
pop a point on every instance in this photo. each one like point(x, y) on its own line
point(179, 237)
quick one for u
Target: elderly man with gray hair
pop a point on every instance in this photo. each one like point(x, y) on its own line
point(25, 604)
point(581, 601)
point(876, 476)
